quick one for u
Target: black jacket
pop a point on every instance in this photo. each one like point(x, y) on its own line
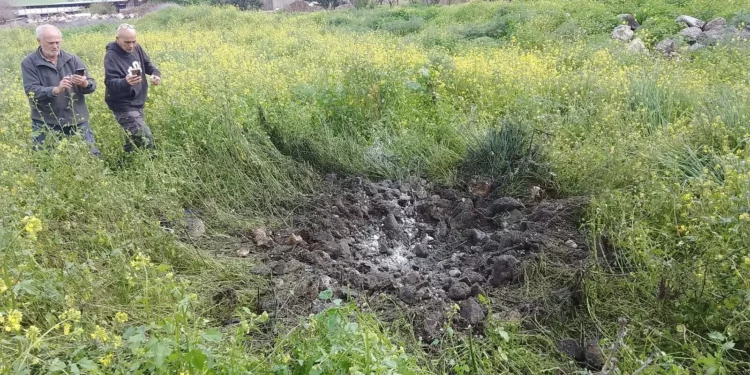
point(119, 95)
point(40, 77)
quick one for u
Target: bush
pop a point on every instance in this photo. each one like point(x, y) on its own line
point(6, 12)
point(102, 8)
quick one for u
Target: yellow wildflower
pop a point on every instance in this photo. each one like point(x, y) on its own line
point(745, 217)
point(100, 334)
point(141, 261)
point(32, 226)
point(116, 341)
point(121, 317)
point(107, 360)
point(66, 329)
point(13, 321)
point(32, 333)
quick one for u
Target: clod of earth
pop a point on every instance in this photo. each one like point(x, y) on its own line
point(472, 312)
point(503, 205)
point(505, 269)
point(594, 356)
point(261, 238)
point(459, 291)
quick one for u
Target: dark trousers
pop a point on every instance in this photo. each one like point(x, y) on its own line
point(137, 132)
point(41, 130)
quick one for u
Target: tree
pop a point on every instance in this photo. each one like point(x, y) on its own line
point(6, 12)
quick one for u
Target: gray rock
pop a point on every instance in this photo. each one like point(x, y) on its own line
point(377, 280)
point(412, 278)
point(715, 24)
point(471, 277)
point(472, 311)
point(431, 326)
point(623, 33)
point(408, 294)
point(691, 34)
point(571, 244)
point(637, 46)
point(667, 47)
point(285, 267)
point(459, 291)
point(503, 205)
point(194, 227)
point(463, 220)
point(515, 216)
point(718, 34)
point(420, 250)
point(491, 246)
point(454, 273)
point(390, 222)
point(630, 20)
point(475, 236)
point(506, 269)
point(690, 21)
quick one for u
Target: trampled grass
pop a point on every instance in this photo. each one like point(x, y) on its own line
point(254, 105)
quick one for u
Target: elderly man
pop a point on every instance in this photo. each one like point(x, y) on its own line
point(56, 82)
point(125, 67)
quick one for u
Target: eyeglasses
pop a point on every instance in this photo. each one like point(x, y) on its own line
point(125, 26)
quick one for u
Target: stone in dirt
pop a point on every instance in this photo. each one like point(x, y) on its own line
point(262, 238)
point(408, 294)
point(571, 244)
point(284, 267)
point(472, 312)
point(431, 326)
point(475, 236)
point(515, 216)
point(294, 239)
point(503, 205)
point(377, 280)
point(471, 277)
point(594, 356)
point(504, 270)
point(459, 291)
point(667, 47)
point(420, 250)
point(454, 273)
point(463, 220)
point(622, 33)
point(194, 227)
point(491, 246)
point(630, 20)
point(390, 222)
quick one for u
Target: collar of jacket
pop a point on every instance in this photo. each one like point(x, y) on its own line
point(40, 60)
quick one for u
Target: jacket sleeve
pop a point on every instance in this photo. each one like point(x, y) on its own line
point(149, 67)
point(92, 83)
point(113, 79)
point(32, 84)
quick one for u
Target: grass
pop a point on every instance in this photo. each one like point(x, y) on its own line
point(254, 107)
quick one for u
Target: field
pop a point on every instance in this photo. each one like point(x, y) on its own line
point(101, 271)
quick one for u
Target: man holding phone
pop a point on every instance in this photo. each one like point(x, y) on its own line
point(56, 82)
point(125, 67)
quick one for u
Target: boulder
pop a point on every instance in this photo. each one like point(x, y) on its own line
point(637, 46)
point(690, 21)
point(691, 34)
point(629, 20)
point(623, 33)
point(667, 47)
point(472, 311)
point(716, 23)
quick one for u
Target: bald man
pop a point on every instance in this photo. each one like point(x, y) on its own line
point(126, 65)
point(56, 83)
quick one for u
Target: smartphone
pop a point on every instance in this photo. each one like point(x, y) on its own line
point(81, 72)
point(135, 72)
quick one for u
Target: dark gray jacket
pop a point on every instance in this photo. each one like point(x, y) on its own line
point(118, 94)
point(40, 77)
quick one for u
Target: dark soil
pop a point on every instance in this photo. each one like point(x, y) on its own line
point(424, 249)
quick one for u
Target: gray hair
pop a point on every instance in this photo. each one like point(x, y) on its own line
point(40, 30)
point(123, 27)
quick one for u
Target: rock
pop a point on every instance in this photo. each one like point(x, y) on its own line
point(623, 33)
point(667, 47)
point(81, 15)
point(718, 34)
point(477, 290)
point(431, 326)
point(503, 205)
point(475, 236)
point(472, 311)
point(691, 34)
point(345, 251)
point(412, 278)
point(690, 21)
point(120, 16)
point(637, 46)
point(571, 244)
point(508, 239)
point(441, 229)
point(261, 237)
point(594, 356)
point(572, 349)
point(515, 216)
point(408, 294)
point(470, 277)
point(285, 267)
point(454, 273)
point(504, 270)
point(420, 250)
point(95, 17)
point(491, 246)
point(715, 24)
point(630, 20)
point(390, 222)
point(194, 227)
point(481, 188)
point(243, 251)
point(459, 291)
point(696, 47)
point(463, 220)
point(377, 280)
point(294, 239)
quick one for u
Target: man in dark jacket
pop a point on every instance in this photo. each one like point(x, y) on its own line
point(56, 82)
point(125, 67)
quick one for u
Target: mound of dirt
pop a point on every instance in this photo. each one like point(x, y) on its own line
point(427, 248)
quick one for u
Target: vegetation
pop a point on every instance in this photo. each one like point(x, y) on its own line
point(254, 106)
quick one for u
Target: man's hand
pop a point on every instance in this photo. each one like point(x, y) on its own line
point(155, 80)
point(65, 84)
point(133, 80)
point(80, 81)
